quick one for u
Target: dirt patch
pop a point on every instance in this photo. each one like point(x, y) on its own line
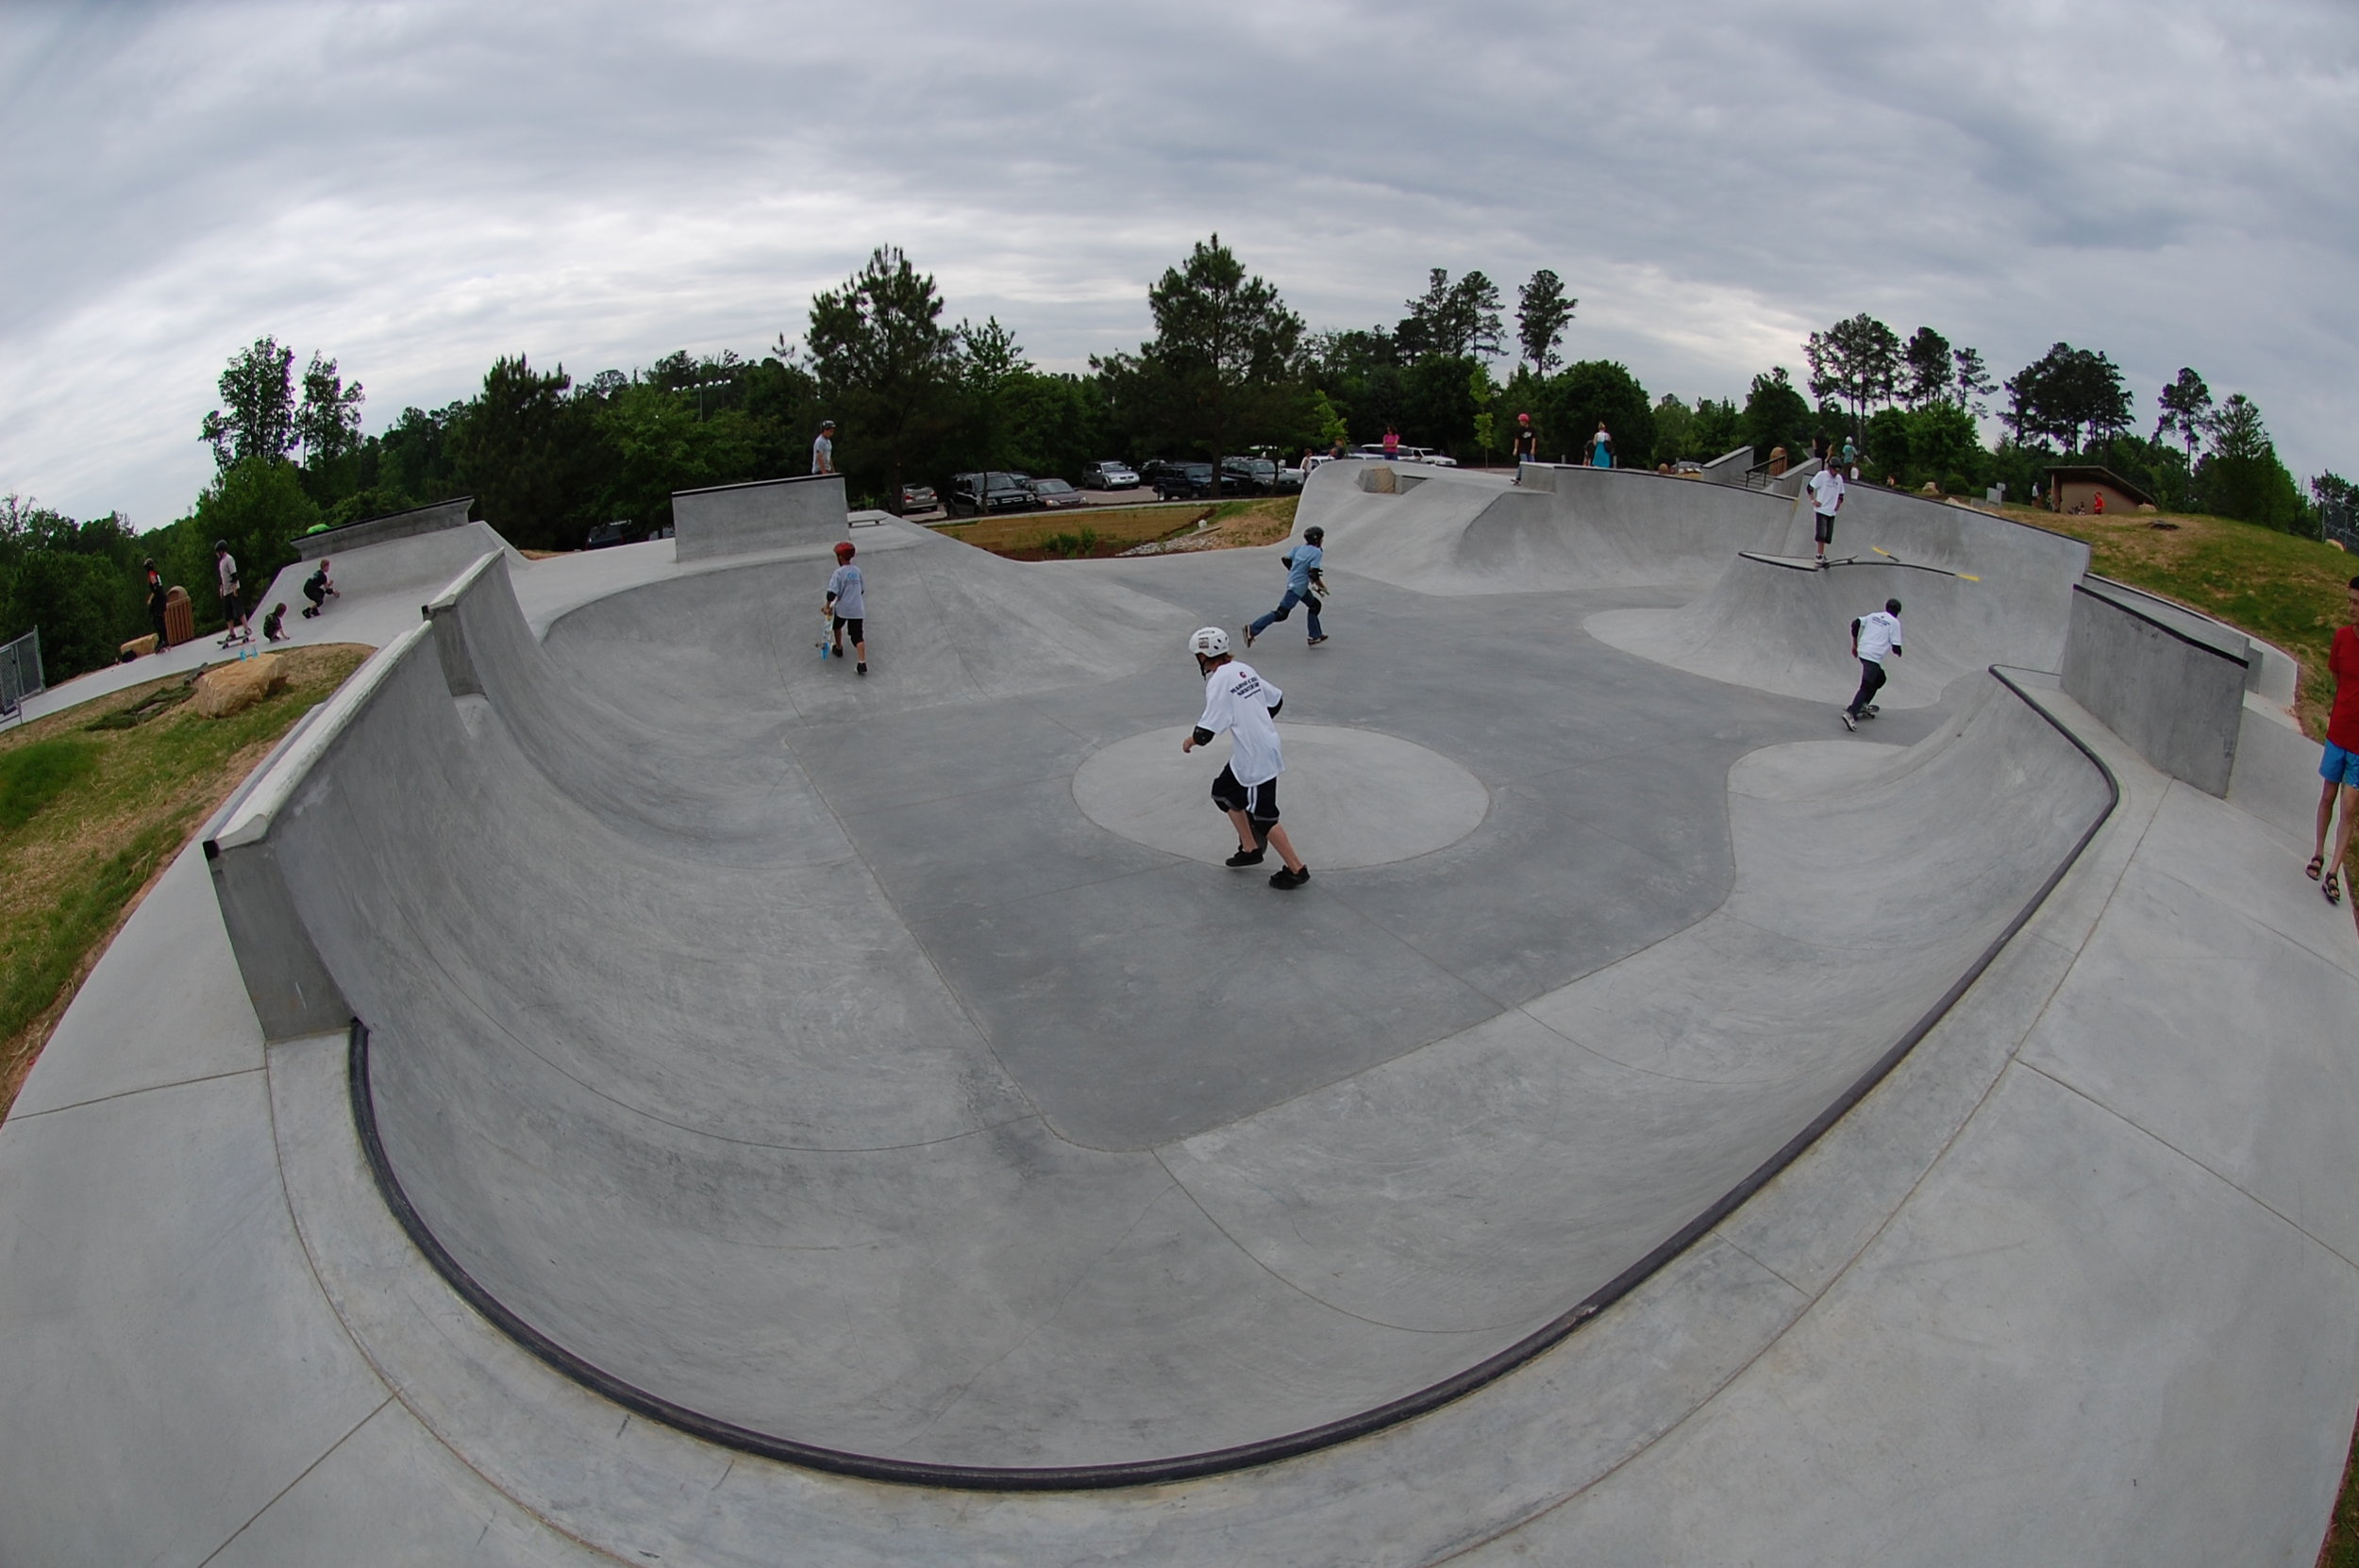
point(1096, 534)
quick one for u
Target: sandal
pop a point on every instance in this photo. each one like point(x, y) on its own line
point(2317, 864)
point(2333, 887)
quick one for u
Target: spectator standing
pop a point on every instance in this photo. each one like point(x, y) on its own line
point(1304, 584)
point(233, 612)
point(847, 605)
point(823, 448)
point(1826, 497)
point(1392, 442)
point(156, 596)
point(1875, 637)
point(2339, 766)
point(1601, 448)
point(1238, 700)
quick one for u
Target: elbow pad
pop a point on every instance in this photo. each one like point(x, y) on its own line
point(1276, 707)
point(1203, 736)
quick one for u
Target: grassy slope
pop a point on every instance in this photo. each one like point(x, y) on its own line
point(90, 815)
point(2286, 590)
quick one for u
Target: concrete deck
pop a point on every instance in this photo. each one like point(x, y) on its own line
point(871, 1067)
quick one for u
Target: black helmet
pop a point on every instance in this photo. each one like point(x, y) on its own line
point(1313, 534)
point(221, 545)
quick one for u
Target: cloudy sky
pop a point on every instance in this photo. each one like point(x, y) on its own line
point(417, 188)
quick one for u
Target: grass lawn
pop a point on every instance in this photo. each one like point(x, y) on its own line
point(2283, 590)
point(1116, 530)
point(94, 802)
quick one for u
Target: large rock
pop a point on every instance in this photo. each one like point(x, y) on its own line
point(227, 689)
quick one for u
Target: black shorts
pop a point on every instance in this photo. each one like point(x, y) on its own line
point(1826, 527)
point(1259, 802)
point(230, 612)
point(858, 625)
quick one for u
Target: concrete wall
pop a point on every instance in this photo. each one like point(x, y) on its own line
point(1730, 467)
point(2171, 685)
point(383, 530)
point(769, 514)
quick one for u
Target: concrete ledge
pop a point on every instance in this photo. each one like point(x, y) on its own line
point(2172, 685)
point(769, 514)
point(1730, 467)
point(384, 530)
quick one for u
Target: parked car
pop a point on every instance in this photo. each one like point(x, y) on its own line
point(1249, 475)
point(1056, 496)
point(1178, 481)
point(1408, 455)
point(1109, 476)
point(607, 534)
point(917, 498)
point(974, 495)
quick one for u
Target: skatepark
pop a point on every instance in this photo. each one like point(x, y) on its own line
point(616, 1086)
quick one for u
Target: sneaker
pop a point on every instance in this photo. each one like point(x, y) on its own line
point(861, 668)
point(1248, 636)
point(1849, 722)
point(1245, 858)
point(1874, 709)
point(1869, 714)
point(1316, 640)
point(1288, 880)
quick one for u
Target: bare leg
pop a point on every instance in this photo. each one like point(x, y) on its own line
point(2326, 815)
point(1294, 863)
point(860, 648)
point(2342, 830)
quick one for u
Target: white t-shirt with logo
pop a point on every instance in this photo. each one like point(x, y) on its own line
point(1878, 634)
point(846, 587)
point(1826, 490)
point(823, 455)
point(1238, 700)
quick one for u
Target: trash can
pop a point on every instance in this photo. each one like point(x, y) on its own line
point(179, 617)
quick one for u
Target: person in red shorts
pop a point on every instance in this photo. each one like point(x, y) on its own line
point(2339, 767)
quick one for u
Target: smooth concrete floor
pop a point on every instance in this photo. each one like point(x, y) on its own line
point(2081, 1257)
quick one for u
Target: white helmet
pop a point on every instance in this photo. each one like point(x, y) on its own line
point(1208, 642)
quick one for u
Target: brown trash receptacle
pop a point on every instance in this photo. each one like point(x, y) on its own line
point(179, 616)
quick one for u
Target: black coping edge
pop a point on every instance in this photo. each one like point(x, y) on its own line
point(1796, 564)
point(1185, 1467)
point(756, 484)
point(2135, 613)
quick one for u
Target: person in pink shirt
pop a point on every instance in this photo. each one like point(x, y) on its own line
point(2339, 766)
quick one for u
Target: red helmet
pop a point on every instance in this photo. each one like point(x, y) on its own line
point(1523, 419)
point(844, 551)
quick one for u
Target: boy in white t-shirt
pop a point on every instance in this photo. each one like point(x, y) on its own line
point(1825, 494)
point(847, 605)
point(1875, 636)
point(1238, 700)
point(823, 448)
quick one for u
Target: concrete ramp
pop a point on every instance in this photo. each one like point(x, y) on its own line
point(420, 562)
point(1781, 624)
point(696, 1088)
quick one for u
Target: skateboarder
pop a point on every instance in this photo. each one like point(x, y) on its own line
point(275, 625)
point(316, 587)
point(1238, 700)
point(2339, 766)
point(1874, 635)
point(847, 605)
point(1825, 495)
point(225, 569)
point(1304, 584)
point(1526, 446)
point(823, 448)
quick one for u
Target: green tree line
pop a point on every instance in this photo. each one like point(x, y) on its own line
point(1231, 367)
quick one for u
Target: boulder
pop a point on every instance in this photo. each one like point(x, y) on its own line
point(231, 687)
point(139, 647)
point(2146, 505)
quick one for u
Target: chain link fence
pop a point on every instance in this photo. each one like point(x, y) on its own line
point(19, 674)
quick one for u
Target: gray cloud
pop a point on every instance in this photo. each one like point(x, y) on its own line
point(417, 188)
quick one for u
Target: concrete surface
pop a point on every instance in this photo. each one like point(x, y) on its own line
point(769, 514)
point(2173, 686)
point(854, 1080)
point(374, 531)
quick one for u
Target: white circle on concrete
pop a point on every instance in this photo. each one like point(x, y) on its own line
point(1349, 798)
